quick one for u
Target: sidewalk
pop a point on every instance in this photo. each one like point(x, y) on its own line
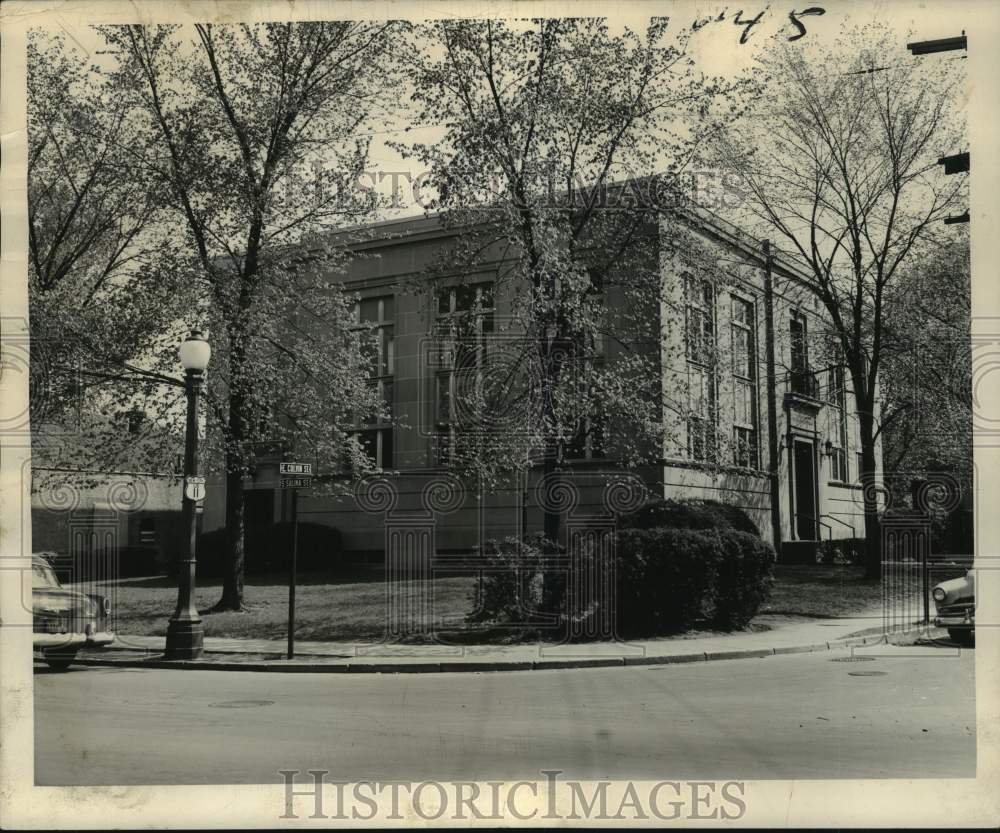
point(269, 655)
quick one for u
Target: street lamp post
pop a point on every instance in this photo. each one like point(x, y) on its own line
point(185, 635)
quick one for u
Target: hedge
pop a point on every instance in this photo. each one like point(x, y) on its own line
point(130, 561)
point(743, 579)
point(271, 549)
point(665, 576)
point(689, 514)
point(667, 580)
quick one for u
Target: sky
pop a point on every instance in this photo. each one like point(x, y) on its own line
point(716, 45)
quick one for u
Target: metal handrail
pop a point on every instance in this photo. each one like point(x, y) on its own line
point(818, 522)
point(854, 532)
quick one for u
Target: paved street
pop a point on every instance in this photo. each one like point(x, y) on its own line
point(796, 716)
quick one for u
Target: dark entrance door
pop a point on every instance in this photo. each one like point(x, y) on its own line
point(805, 491)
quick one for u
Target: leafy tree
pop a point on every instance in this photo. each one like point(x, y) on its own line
point(553, 129)
point(254, 142)
point(927, 407)
point(101, 282)
point(838, 158)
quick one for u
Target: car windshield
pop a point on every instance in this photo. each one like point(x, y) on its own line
point(42, 576)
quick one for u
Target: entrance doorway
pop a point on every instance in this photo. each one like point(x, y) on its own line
point(805, 491)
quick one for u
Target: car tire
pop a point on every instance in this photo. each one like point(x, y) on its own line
point(963, 636)
point(59, 660)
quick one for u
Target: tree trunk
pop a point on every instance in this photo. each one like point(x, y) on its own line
point(232, 583)
point(869, 472)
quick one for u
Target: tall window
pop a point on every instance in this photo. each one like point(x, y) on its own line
point(702, 375)
point(377, 315)
point(464, 320)
point(836, 396)
point(801, 380)
point(799, 344)
point(700, 306)
point(744, 336)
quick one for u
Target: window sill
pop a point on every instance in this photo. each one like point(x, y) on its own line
point(840, 484)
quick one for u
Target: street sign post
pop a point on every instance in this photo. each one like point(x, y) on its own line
point(294, 476)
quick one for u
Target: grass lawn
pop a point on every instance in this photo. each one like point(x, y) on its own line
point(823, 591)
point(328, 605)
point(351, 606)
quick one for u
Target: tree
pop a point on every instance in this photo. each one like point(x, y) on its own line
point(254, 141)
point(927, 392)
point(102, 285)
point(540, 119)
point(838, 158)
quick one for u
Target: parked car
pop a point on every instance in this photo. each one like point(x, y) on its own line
point(955, 601)
point(65, 620)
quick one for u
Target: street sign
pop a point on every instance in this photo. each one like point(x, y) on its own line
point(194, 487)
point(296, 482)
point(295, 468)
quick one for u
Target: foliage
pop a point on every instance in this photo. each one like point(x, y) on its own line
point(666, 579)
point(927, 382)
point(742, 580)
point(319, 548)
point(103, 275)
point(847, 176)
point(81, 565)
point(841, 551)
point(689, 514)
point(253, 133)
point(954, 534)
point(673, 579)
point(554, 129)
point(510, 592)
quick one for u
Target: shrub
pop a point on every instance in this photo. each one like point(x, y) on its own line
point(96, 566)
point(511, 589)
point(319, 548)
point(664, 578)
point(667, 580)
point(743, 579)
point(689, 514)
point(841, 551)
point(954, 533)
point(138, 560)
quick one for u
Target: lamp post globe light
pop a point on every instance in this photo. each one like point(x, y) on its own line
point(185, 635)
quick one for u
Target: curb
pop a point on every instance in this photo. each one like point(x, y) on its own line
point(473, 666)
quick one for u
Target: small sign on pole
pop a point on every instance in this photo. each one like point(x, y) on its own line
point(296, 482)
point(194, 487)
point(295, 468)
